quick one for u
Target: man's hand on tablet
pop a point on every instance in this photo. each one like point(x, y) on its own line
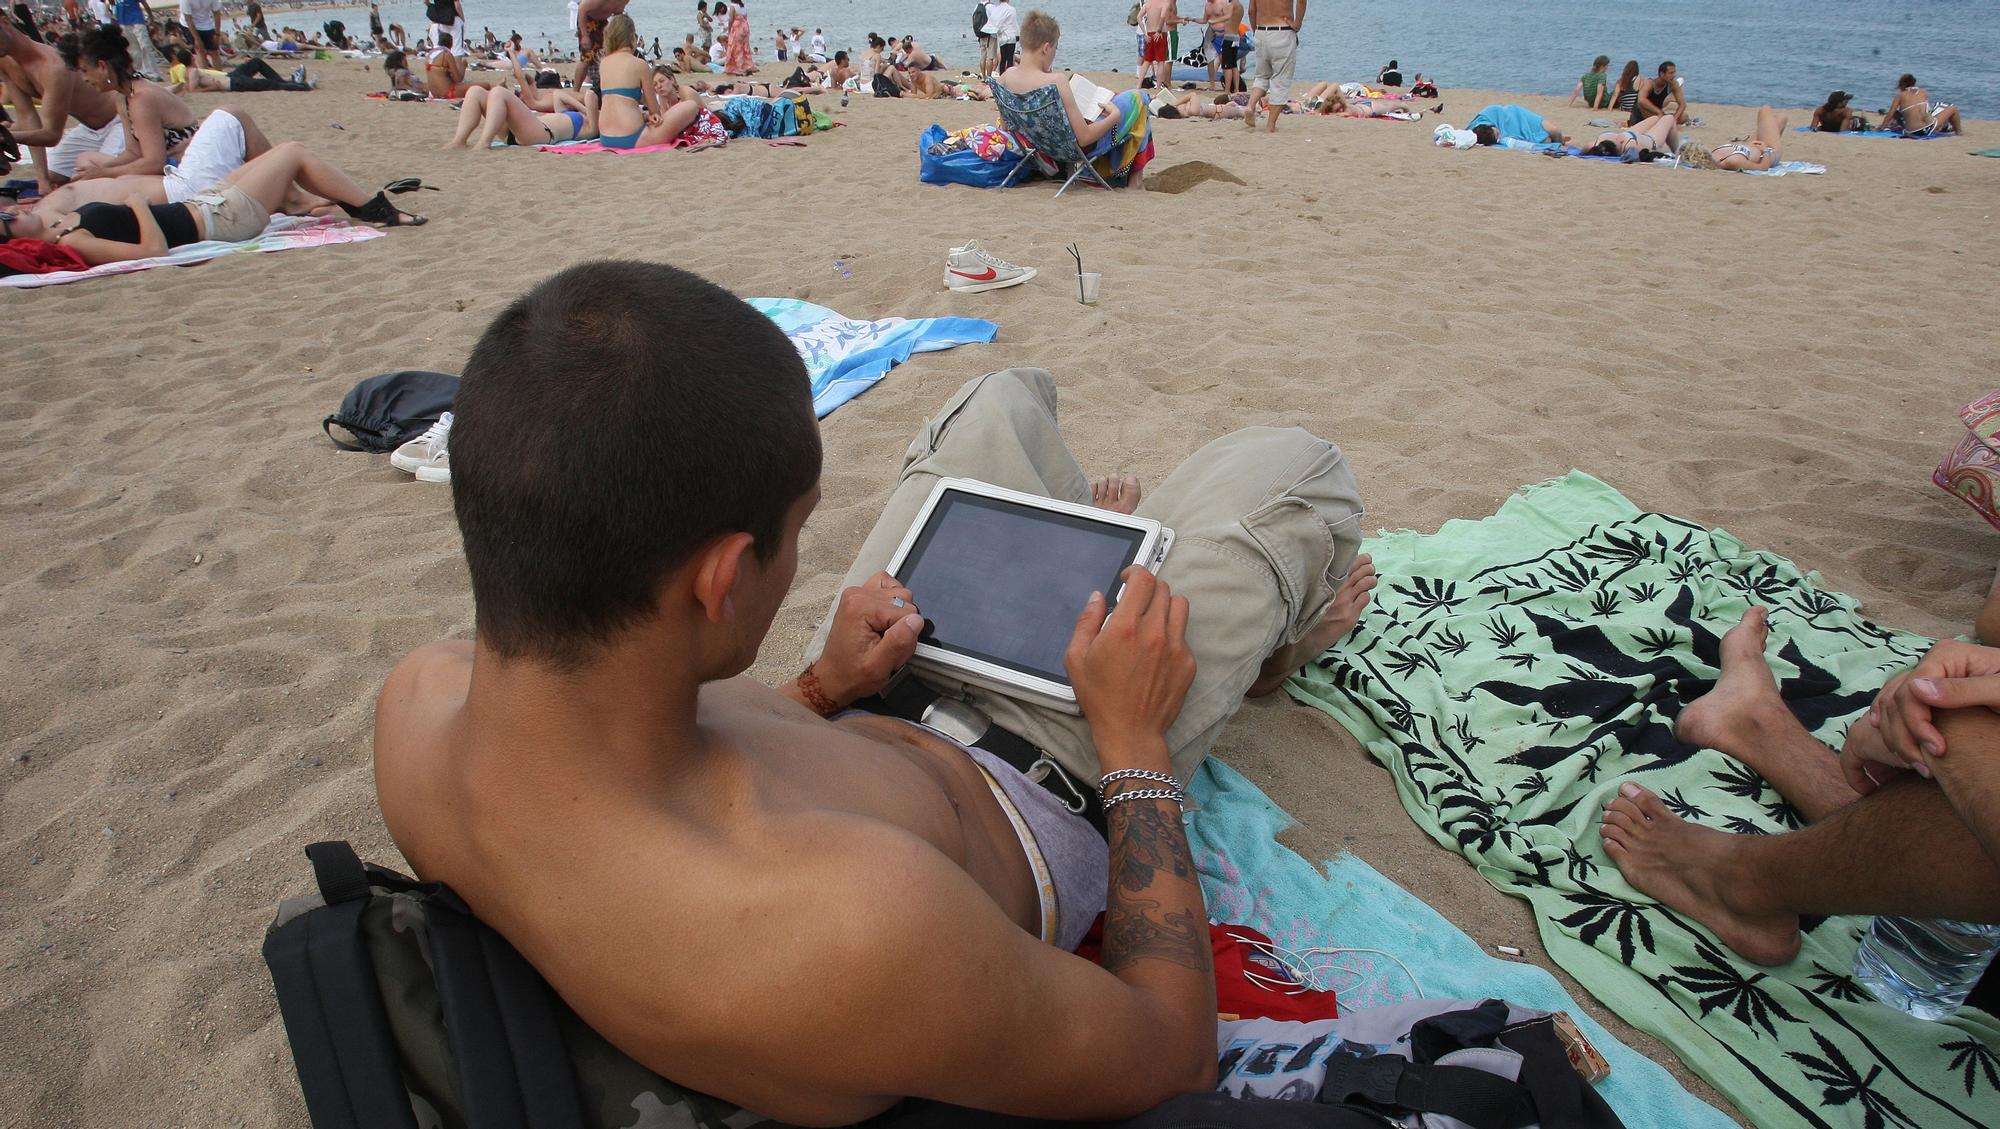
point(1131, 670)
point(874, 633)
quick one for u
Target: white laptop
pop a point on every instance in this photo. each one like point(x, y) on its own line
point(1001, 575)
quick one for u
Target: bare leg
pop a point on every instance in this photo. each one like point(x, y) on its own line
point(1771, 127)
point(1948, 118)
point(471, 115)
point(1339, 618)
point(673, 121)
point(506, 113)
point(1744, 717)
point(269, 178)
point(1899, 851)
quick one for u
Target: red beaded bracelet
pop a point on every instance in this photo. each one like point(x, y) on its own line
point(815, 694)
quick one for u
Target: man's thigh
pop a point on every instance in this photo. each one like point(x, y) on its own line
point(998, 428)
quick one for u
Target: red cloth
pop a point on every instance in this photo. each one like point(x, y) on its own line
point(1155, 47)
point(32, 256)
point(1235, 993)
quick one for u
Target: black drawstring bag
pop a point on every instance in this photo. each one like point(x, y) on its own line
point(383, 412)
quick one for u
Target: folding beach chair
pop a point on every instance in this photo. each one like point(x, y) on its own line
point(1038, 117)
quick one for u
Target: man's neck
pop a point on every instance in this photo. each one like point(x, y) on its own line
point(634, 713)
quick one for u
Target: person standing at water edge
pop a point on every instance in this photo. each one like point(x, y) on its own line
point(1155, 58)
point(989, 54)
point(1276, 24)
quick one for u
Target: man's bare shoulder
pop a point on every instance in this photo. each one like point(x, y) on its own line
point(426, 670)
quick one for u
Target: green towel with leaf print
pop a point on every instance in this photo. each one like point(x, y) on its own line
point(1514, 670)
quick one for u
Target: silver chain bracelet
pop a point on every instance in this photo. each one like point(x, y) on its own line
point(1175, 794)
point(1110, 778)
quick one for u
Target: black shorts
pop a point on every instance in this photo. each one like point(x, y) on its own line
point(1230, 46)
point(208, 38)
point(1006, 55)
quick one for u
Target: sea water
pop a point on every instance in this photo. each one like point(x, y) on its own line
point(1788, 53)
point(1924, 967)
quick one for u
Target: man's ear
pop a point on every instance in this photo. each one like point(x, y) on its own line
point(717, 569)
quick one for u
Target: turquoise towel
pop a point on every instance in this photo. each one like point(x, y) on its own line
point(1249, 878)
point(845, 357)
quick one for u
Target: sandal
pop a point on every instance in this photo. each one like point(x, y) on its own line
point(409, 184)
point(378, 209)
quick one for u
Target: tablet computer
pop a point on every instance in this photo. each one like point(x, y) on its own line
point(1000, 576)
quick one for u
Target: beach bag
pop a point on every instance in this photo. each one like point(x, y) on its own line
point(381, 413)
point(1971, 470)
point(885, 87)
point(979, 19)
point(405, 1010)
point(960, 166)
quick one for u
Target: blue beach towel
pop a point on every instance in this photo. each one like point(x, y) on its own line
point(1869, 133)
point(1249, 878)
point(844, 357)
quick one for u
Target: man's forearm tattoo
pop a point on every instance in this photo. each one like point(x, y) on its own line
point(1149, 847)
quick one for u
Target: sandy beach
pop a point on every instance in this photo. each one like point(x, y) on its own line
point(200, 595)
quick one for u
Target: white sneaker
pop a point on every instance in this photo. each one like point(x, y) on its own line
point(426, 450)
point(969, 270)
point(437, 470)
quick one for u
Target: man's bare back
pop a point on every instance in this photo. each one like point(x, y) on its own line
point(771, 836)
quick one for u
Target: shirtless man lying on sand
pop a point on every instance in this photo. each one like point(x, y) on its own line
point(741, 886)
point(1904, 820)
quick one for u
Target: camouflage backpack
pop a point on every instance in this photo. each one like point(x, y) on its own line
point(404, 1011)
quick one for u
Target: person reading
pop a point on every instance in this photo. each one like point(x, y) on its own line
point(735, 883)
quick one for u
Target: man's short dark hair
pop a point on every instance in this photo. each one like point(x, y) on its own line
point(1486, 134)
point(1666, 66)
point(611, 422)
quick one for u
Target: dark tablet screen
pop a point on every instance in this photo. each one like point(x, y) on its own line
point(1004, 582)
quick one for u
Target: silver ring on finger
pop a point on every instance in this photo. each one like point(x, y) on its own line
point(898, 601)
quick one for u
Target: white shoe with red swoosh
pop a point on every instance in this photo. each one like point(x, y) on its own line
point(969, 270)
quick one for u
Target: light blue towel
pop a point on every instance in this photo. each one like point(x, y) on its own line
point(845, 357)
point(1786, 168)
point(1867, 133)
point(1249, 878)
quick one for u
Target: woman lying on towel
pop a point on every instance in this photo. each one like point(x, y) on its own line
point(631, 114)
point(1649, 140)
point(1326, 98)
point(228, 139)
point(541, 99)
point(1171, 104)
point(251, 76)
point(1756, 152)
point(157, 123)
point(237, 209)
point(494, 112)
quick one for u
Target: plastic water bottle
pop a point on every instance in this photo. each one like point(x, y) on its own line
point(1922, 966)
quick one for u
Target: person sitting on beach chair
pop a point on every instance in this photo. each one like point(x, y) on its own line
point(1913, 114)
point(1903, 820)
point(734, 883)
point(234, 210)
point(1509, 122)
point(1035, 69)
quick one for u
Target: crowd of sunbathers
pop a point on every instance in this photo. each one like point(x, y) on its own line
point(124, 167)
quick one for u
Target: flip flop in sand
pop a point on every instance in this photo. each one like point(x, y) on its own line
point(408, 184)
point(787, 143)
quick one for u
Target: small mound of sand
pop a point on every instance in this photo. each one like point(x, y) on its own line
point(1186, 175)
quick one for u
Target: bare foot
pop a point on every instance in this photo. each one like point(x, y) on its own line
point(1696, 871)
point(1731, 716)
point(1339, 618)
point(1117, 493)
point(456, 145)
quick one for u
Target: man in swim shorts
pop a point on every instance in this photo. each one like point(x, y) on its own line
point(1276, 25)
point(590, 18)
point(734, 883)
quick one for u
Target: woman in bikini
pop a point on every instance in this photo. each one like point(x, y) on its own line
point(1757, 152)
point(234, 210)
point(1325, 98)
point(541, 99)
point(630, 114)
point(1913, 114)
point(494, 112)
point(157, 122)
point(1650, 139)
